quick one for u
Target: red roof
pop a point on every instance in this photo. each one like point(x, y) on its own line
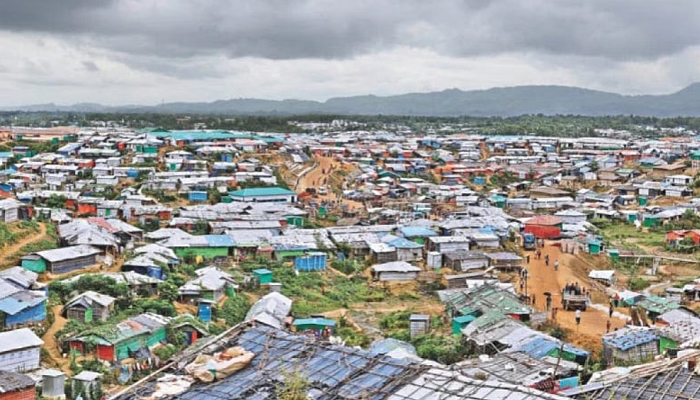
point(545, 220)
point(102, 223)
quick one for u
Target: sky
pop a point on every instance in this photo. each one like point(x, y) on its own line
point(118, 52)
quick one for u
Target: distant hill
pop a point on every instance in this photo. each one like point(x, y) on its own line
point(509, 101)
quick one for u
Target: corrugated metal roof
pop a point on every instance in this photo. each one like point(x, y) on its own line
point(13, 381)
point(219, 240)
point(266, 191)
point(395, 266)
point(628, 338)
point(68, 253)
point(416, 231)
point(18, 339)
point(21, 301)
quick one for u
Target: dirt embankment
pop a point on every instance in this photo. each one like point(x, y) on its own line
point(10, 255)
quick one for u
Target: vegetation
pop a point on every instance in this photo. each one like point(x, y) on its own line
point(157, 306)
point(165, 352)
point(233, 310)
point(56, 201)
point(41, 245)
point(636, 283)
point(627, 236)
point(294, 385)
point(97, 283)
point(555, 125)
point(7, 235)
point(347, 266)
point(433, 346)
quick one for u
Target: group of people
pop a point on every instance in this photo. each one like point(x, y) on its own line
point(538, 255)
point(320, 181)
point(575, 289)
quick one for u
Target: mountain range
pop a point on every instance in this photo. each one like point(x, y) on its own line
point(507, 101)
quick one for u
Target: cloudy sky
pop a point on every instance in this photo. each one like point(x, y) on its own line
point(148, 51)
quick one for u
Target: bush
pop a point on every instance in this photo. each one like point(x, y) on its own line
point(165, 352)
point(353, 338)
point(233, 310)
point(636, 283)
point(348, 267)
point(157, 306)
point(96, 283)
point(443, 349)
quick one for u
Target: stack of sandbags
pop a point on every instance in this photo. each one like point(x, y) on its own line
point(208, 368)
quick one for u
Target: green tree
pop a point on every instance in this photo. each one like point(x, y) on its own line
point(56, 201)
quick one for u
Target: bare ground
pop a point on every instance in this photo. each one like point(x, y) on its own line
point(572, 269)
point(50, 343)
point(10, 253)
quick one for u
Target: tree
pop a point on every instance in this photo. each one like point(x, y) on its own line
point(56, 201)
point(168, 290)
point(233, 310)
point(201, 227)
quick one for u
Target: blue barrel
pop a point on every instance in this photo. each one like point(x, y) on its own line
point(204, 312)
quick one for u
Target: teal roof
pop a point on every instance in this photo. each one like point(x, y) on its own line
point(262, 271)
point(464, 319)
point(265, 191)
point(199, 135)
point(314, 321)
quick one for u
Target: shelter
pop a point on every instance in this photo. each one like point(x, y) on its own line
point(124, 339)
point(16, 386)
point(336, 372)
point(545, 226)
point(606, 277)
point(395, 271)
point(631, 345)
point(61, 261)
point(19, 350)
point(271, 310)
point(667, 380)
point(89, 306)
point(263, 195)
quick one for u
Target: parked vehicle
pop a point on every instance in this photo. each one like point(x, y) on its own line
point(529, 241)
point(571, 301)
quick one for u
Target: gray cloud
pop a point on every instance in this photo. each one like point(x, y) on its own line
point(148, 50)
point(327, 29)
point(90, 66)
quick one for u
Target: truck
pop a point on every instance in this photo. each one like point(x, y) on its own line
point(529, 241)
point(571, 301)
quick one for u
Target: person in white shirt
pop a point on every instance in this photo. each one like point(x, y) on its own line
point(578, 317)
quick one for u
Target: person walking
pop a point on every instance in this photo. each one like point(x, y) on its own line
point(556, 265)
point(607, 327)
point(610, 311)
point(546, 260)
point(532, 300)
point(527, 259)
point(578, 318)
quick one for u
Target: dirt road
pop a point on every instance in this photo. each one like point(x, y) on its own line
point(314, 178)
point(50, 343)
point(10, 256)
point(545, 279)
point(320, 176)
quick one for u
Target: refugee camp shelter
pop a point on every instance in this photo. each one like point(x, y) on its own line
point(19, 350)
